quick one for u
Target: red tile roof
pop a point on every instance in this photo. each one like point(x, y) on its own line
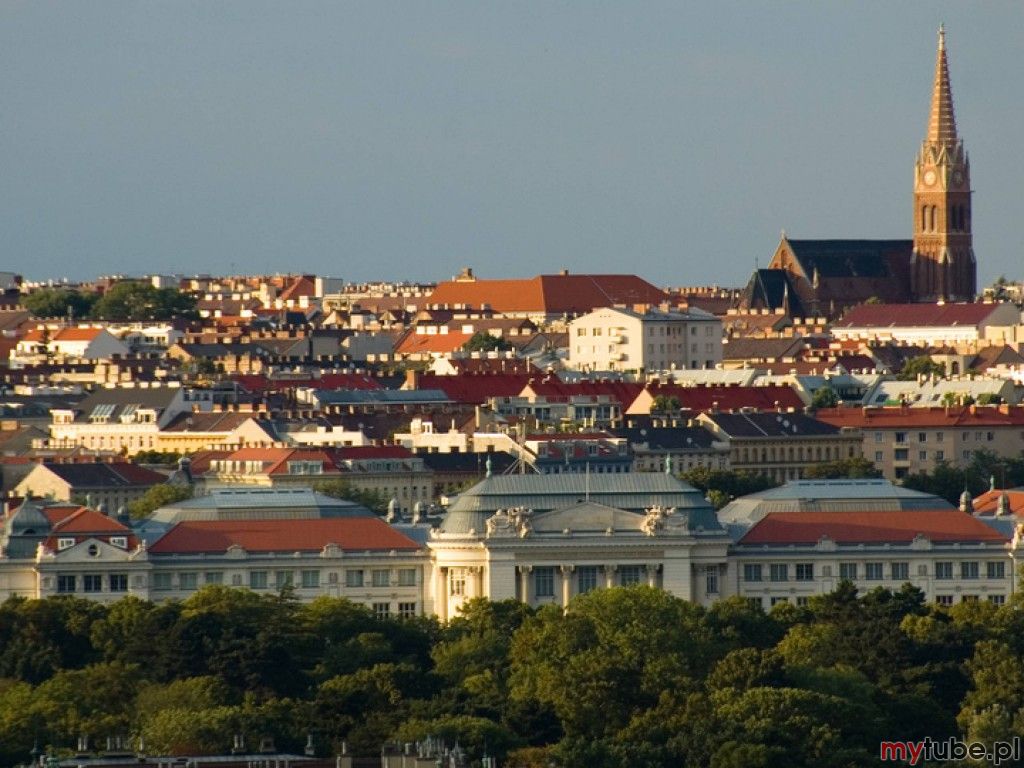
point(904, 315)
point(873, 527)
point(215, 537)
point(475, 389)
point(550, 294)
point(987, 502)
point(436, 343)
point(726, 398)
point(64, 334)
point(553, 388)
point(904, 417)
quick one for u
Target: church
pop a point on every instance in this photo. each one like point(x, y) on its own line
point(821, 278)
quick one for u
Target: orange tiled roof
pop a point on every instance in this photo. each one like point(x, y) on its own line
point(871, 527)
point(311, 535)
point(899, 416)
point(550, 294)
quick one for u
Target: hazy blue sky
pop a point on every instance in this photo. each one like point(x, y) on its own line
point(406, 140)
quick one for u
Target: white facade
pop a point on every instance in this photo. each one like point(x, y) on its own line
point(620, 339)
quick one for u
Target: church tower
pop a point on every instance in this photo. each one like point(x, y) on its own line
point(942, 266)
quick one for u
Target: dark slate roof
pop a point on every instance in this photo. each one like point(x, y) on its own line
point(674, 439)
point(768, 288)
point(157, 398)
point(771, 424)
point(381, 397)
point(849, 258)
point(468, 462)
point(104, 475)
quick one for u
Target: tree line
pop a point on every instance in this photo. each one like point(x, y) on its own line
point(626, 677)
point(125, 301)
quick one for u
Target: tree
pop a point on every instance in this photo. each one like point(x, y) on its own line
point(824, 397)
point(130, 300)
point(482, 341)
point(156, 497)
point(854, 468)
point(375, 501)
point(665, 404)
point(722, 486)
point(56, 302)
point(922, 365)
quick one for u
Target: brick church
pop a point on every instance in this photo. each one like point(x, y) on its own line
point(821, 278)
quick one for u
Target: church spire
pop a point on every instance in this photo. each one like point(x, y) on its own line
point(942, 123)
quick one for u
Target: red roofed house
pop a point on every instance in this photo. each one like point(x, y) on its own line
point(947, 554)
point(546, 297)
point(964, 326)
point(86, 343)
point(903, 441)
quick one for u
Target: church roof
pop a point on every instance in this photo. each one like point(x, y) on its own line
point(771, 289)
point(849, 258)
point(941, 121)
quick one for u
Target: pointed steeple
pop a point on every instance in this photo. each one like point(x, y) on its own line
point(942, 123)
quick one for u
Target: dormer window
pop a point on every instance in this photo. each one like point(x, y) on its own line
point(119, 541)
point(64, 542)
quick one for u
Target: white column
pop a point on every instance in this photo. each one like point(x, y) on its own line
point(441, 593)
point(566, 584)
point(609, 575)
point(652, 575)
point(524, 583)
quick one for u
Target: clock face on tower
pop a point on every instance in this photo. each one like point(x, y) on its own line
point(929, 177)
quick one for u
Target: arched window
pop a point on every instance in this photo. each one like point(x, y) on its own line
point(924, 218)
point(935, 218)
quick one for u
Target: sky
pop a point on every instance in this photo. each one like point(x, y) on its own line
point(407, 140)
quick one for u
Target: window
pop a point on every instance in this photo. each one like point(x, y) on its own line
point(407, 577)
point(353, 578)
point(922, 437)
point(997, 599)
point(778, 572)
point(456, 582)
point(121, 542)
point(310, 579)
point(969, 569)
point(878, 455)
point(544, 582)
point(878, 437)
point(805, 571)
point(161, 581)
point(901, 437)
point(92, 582)
point(901, 454)
point(407, 610)
point(776, 600)
point(752, 572)
point(900, 571)
point(381, 577)
point(66, 583)
point(995, 570)
point(802, 602)
point(257, 580)
point(939, 436)
point(848, 571)
point(944, 570)
point(188, 580)
point(711, 580)
point(940, 455)
point(65, 542)
point(587, 578)
point(629, 575)
point(382, 610)
point(873, 571)
point(945, 600)
point(922, 455)
point(213, 577)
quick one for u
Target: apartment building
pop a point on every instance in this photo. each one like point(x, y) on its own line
point(645, 339)
point(903, 441)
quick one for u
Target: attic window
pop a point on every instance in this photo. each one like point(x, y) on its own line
point(119, 541)
point(65, 542)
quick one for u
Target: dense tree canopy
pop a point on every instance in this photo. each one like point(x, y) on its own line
point(59, 302)
point(624, 678)
point(130, 300)
point(482, 341)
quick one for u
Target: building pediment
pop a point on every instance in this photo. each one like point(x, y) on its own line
point(587, 516)
point(89, 551)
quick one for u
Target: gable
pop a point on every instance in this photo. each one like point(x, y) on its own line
point(586, 516)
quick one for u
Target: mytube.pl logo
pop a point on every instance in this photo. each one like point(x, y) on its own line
point(914, 752)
